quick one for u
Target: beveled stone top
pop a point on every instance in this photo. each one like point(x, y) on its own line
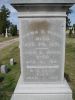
point(41, 1)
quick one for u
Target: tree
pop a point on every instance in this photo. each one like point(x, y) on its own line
point(4, 22)
point(13, 30)
point(74, 28)
point(68, 22)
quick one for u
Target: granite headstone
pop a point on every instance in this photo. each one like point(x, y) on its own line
point(3, 69)
point(42, 25)
point(12, 61)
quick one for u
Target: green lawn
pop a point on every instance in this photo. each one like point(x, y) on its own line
point(70, 63)
point(2, 38)
point(10, 79)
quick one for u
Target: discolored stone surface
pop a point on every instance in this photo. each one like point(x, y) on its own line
point(42, 49)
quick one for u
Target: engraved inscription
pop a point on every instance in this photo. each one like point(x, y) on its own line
point(42, 49)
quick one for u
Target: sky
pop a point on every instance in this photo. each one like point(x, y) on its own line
point(14, 18)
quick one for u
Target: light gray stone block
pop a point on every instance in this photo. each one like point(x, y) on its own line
point(3, 69)
point(12, 61)
point(41, 1)
point(59, 91)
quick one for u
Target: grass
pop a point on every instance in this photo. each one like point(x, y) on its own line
point(2, 38)
point(70, 63)
point(10, 79)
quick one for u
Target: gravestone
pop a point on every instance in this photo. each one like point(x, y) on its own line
point(6, 34)
point(3, 69)
point(12, 62)
point(42, 26)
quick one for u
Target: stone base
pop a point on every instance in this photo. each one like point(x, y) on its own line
point(42, 91)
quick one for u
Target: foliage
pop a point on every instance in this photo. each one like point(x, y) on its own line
point(4, 22)
point(13, 30)
point(68, 22)
point(74, 28)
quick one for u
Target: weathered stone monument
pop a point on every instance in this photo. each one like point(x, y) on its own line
point(42, 25)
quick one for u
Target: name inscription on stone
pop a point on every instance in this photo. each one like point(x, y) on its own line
point(42, 49)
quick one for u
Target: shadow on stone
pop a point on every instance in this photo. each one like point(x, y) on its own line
point(67, 77)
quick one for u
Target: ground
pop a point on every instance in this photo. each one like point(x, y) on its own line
point(10, 79)
point(2, 38)
point(7, 43)
point(70, 63)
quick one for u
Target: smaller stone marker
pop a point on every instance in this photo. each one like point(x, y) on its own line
point(11, 61)
point(3, 69)
point(6, 35)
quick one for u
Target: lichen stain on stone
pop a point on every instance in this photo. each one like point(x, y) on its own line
point(39, 27)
